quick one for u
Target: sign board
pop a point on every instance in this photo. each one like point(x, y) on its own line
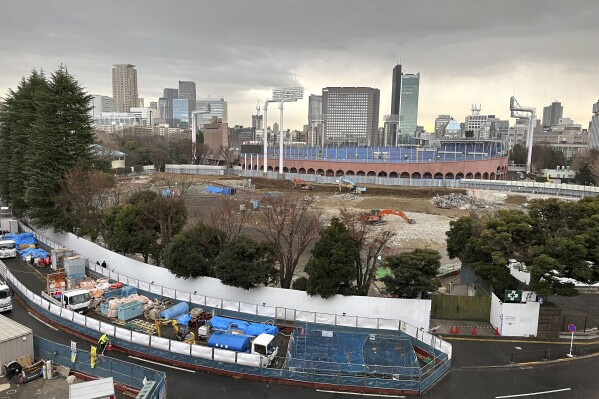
point(529, 296)
point(513, 296)
point(572, 328)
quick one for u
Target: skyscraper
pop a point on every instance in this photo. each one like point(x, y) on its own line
point(218, 108)
point(351, 115)
point(169, 95)
point(315, 119)
point(102, 104)
point(181, 113)
point(188, 90)
point(124, 87)
point(551, 115)
point(408, 112)
point(594, 129)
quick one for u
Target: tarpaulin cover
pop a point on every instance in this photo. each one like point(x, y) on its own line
point(184, 319)
point(34, 252)
point(214, 190)
point(234, 342)
point(226, 324)
point(175, 311)
point(127, 290)
point(25, 239)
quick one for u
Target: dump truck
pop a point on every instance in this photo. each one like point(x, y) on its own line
point(57, 292)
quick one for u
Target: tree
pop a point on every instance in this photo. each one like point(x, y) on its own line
point(290, 226)
point(518, 154)
point(61, 139)
point(332, 268)
point(84, 195)
point(231, 216)
point(371, 240)
point(412, 273)
point(300, 284)
point(547, 157)
point(192, 253)
point(245, 263)
point(127, 231)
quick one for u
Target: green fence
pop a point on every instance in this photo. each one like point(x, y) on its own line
point(454, 307)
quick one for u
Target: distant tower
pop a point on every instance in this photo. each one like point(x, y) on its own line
point(124, 87)
point(594, 131)
point(257, 119)
point(475, 109)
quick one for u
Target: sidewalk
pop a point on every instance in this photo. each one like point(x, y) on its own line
point(461, 327)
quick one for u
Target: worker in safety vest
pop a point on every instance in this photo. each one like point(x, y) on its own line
point(103, 341)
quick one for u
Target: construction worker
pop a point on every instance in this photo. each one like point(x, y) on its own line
point(103, 342)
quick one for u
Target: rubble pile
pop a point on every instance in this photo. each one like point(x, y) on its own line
point(428, 229)
point(459, 201)
point(346, 197)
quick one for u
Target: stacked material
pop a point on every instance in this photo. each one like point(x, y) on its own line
point(459, 201)
point(113, 304)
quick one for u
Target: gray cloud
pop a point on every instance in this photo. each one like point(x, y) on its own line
point(467, 52)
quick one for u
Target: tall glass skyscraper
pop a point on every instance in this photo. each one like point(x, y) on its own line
point(188, 90)
point(408, 113)
point(181, 113)
point(218, 108)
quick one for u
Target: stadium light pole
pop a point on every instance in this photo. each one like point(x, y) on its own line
point(265, 135)
point(283, 95)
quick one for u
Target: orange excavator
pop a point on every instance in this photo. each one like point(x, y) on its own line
point(375, 216)
point(301, 184)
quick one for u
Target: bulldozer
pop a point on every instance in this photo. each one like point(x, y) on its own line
point(375, 217)
point(182, 332)
point(301, 184)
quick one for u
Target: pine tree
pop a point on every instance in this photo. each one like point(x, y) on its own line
point(60, 140)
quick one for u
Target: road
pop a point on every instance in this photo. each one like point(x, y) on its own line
point(474, 373)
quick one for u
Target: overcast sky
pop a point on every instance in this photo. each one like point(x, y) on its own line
point(467, 52)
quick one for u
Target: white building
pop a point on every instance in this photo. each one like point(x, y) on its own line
point(147, 116)
point(102, 104)
point(218, 108)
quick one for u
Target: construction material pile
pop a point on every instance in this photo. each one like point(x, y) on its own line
point(459, 201)
point(346, 197)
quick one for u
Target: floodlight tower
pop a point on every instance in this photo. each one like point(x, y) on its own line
point(283, 95)
point(518, 111)
point(194, 127)
point(265, 134)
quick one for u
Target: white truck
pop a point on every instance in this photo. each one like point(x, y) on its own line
point(8, 249)
point(77, 300)
point(5, 297)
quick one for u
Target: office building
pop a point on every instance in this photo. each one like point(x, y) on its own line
point(315, 120)
point(403, 120)
point(551, 114)
point(148, 116)
point(187, 90)
point(124, 87)
point(154, 104)
point(594, 128)
point(351, 115)
point(170, 95)
point(218, 109)
point(440, 123)
point(102, 104)
point(257, 121)
point(216, 138)
point(180, 113)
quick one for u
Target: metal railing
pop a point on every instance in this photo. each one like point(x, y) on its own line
point(552, 353)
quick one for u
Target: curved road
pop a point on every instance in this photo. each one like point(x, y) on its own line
point(474, 373)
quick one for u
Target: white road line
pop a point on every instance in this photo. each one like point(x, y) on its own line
point(359, 394)
point(533, 393)
point(162, 364)
point(43, 322)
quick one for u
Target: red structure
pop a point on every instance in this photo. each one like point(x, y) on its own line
point(491, 169)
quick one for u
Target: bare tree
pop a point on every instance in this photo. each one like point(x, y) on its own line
point(371, 242)
point(232, 216)
point(288, 223)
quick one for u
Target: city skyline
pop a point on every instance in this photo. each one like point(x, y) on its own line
point(466, 53)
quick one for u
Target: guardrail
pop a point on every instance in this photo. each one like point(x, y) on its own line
point(225, 361)
point(552, 353)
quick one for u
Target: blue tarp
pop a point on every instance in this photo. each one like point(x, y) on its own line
point(226, 324)
point(234, 342)
point(175, 311)
point(35, 252)
point(25, 239)
point(220, 190)
point(184, 320)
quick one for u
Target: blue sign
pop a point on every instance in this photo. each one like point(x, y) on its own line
point(571, 328)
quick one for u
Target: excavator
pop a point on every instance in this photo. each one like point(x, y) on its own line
point(344, 182)
point(182, 332)
point(375, 216)
point(301, 184)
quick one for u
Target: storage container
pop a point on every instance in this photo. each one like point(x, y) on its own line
point(104, 308)
point(127, 290)
point(130, 310)
point(74, 266)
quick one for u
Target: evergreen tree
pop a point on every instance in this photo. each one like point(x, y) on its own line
point(412, 273)
point(332, 268)
point(60, 139)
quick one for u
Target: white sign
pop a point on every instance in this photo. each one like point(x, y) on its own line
point(529, 296)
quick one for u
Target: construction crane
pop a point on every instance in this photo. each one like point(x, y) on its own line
point(301, 184)
point(375, 216)
point(182, 332)
point(344, 182)
point(518, 111)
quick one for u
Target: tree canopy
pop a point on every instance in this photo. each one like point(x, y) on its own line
point(412, 273)
point(556, 240)
point(332, 267)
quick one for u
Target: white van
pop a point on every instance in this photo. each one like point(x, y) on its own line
point(8, 249)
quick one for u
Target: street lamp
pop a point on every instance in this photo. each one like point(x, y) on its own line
point(283, 95)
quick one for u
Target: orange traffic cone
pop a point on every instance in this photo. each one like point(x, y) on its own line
point(496, 330)
point(474, 330)
point(451, 330)
point(457, 330)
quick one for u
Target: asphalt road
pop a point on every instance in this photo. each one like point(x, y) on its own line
point(474, 371)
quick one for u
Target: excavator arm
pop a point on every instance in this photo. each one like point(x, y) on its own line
point(397, 213)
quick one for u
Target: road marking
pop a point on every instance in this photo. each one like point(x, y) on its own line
point(161, 364)
point(533, 393)
point(359, 394)
point(43, 322)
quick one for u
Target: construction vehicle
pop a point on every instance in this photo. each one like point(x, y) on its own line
point(263, 345)
point(344, 182)
point(58, 292)
point(376, 216)
point(182, 332)
point(5, 297)
point(301, 184)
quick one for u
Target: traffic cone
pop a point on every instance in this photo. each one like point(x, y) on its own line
point(457, 330)
point(496, 330)
point(451, 330)
point(474, 330)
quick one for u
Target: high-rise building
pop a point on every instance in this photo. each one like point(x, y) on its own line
point(440, 123)
point(315, 119)
point(154, 104)
point(551, 114)
point(594, 128)
point(124, 87)
point(188, 90)
point(181, 113)
point(408, 112)
point(257, 121)
point(351, 115)
point(164, 110)
point(102, 104)
point(170, 95)
point(218, 108)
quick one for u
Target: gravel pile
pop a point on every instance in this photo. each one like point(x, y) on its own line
point(428, 229)
point(459, 201)
point(346, 197)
